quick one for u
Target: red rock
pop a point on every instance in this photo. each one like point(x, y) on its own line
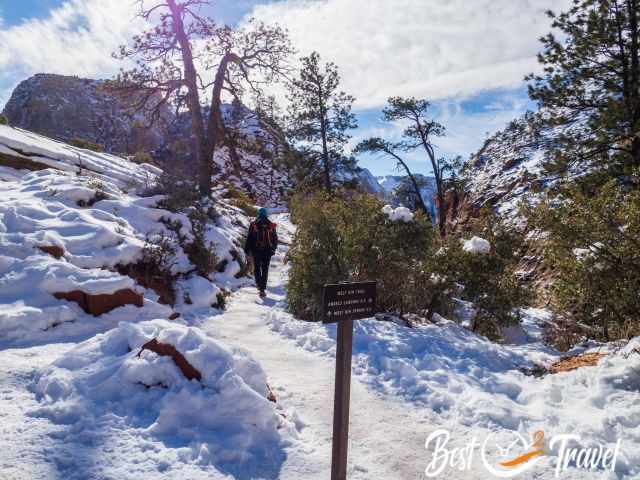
point(52, 250)
point(96, 305)
point(166, 350)
point(270, 395)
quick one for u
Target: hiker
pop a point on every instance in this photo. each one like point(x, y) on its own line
point(261, 245)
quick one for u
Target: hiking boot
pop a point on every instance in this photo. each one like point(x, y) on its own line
point(262, 293)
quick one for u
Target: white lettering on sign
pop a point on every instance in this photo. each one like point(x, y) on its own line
point(359, 291)
point(354, 301)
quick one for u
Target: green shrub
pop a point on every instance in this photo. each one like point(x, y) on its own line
point(142, 157)
point(592, 241)
point(86, 144)
point(351, 239)
point(201, 253)
point(181, 191)
point(4, 120)
point(241, 200)
point(487, 280)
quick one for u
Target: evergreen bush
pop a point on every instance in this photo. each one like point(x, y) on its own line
point(592, 242)
point(349, 238)
point(241, 200)
point(488, 279)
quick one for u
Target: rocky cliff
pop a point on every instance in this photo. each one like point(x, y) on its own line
point(509, 168)
point(67, 108)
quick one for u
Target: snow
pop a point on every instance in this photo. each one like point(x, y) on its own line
point(225, 419)
point(51, 153)
point(398, 214)
point(476, 384)
point(391, 183)
point(477, 245)
point(200, 292)
point(99, 227)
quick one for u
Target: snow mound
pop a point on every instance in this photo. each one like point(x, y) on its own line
point(397, 214)
point(477, 245)
point(225, 418)
point(38, 152)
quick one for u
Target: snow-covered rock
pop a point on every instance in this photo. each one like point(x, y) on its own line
point(509, 168)
point(69, 107)
point(22, 149)
point(477, 245)
point(225, 418)
point(391, 184)
point(65, 237)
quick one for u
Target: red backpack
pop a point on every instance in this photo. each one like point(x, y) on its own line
point(265, 236)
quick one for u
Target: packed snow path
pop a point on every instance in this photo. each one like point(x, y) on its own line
point(386, 434)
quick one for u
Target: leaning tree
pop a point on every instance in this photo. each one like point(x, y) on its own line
point(185, 60)
point(393, 150)
point(419, 133)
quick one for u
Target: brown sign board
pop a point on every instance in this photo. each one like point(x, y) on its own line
point(349, 301)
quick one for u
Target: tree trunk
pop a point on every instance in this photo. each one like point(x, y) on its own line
point(214, 126)
point(325, 148)
point(436, 172)
point(193, 99)
point(442, 211)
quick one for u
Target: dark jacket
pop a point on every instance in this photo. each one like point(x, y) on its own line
point(262, 238)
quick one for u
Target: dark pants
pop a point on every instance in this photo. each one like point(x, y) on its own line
point(261, 268)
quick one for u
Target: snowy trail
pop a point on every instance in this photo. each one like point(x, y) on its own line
point(25, 441)
point(386, 434)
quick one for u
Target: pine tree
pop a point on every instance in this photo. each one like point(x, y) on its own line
point(320, 117)
point(590, 88)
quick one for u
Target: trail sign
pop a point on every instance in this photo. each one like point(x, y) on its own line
point(349, 301)
point(343, 303)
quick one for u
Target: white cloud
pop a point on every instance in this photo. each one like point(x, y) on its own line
point(76, 39)
point(428, 48)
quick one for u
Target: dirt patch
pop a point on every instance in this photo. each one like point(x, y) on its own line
point(97, 305)
point(578, 361)
point(166, 350)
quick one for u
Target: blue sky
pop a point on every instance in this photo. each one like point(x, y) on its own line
point(469, 59)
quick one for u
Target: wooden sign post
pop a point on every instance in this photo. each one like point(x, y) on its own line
point(343, 303)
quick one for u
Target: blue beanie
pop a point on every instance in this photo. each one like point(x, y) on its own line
point(263, 213)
